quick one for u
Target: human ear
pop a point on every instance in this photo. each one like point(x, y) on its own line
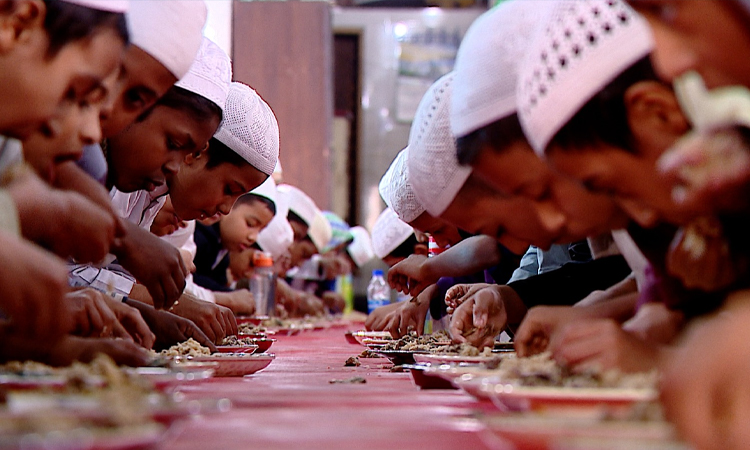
point(17, 20)
point(193, 157)
point(654, 116)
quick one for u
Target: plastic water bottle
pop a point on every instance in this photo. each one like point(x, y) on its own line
point(378, 292)
point(263, 284)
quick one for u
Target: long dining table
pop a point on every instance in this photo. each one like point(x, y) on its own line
point(295, 403)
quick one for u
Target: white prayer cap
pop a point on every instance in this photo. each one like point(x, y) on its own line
point(299, 203)
point(170, 31)
point(360, 249)
point(388, 233)
point(583, 46)
point(484, 89)
point(397, 191)
point(434, 172)
point(210, 75)
point(115, 6)
point(278, 235)
point(249, 128)
point(267, 189)
point(320, 231)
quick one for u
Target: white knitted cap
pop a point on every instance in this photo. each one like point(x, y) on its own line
point(583, 46)
point(170, 31)
point(267, 189)
point(397, 191)
point(320, 231)
point(299, 203)
point(115, 6)
point(210, 75)
point(434, 172)
point(388, 233)
point(360, 248)
point(484, 89)
point(249, 128)
point(278, 235)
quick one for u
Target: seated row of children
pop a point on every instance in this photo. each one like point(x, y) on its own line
point(600, 149)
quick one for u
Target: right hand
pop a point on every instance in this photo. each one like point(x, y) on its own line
point(410, 315)
point(240, 301)
point(154, 263)
point(479, 318)
point(217, 322)
point(67, 223)
point(459, 293)
point(407, 276)
point(169, 328)
point(377, 320)
point(704, 389)
point(540, 324)
point(32, 287)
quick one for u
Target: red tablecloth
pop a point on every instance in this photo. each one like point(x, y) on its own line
point(291, 404)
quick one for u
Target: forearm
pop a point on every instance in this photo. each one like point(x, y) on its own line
point(572, 282)
point(624, 287)
point(141, 294)
point(469, 256)
point(70, 177)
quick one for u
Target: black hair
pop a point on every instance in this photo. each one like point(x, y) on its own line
point(406, 248)
point(199, 107)
point(604, 118)
point(250, 198)
point(294, 217)
point(218, 153)
point(497, 135)
point(67, 22)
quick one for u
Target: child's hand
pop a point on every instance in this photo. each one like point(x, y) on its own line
point(217, 322)
point(169, 328)
point(67, 223)
point(461, 292)
point(154, 263)
point(31, 290)
point(240, 301)
point(600, 345)
point(479, 318)
point(540, 324)
point(410, 315)
point(378, 319)
point(704, 389)
point(407, 276)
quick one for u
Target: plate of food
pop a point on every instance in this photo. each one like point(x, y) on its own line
point(237, 364)
point(360, 336)
point(263, 344)
point(168, 377)
point(540, 382)
point(252, 320)
point(490, 359)
point(541, 431)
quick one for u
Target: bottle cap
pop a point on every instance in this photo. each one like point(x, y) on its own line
point(262, 259)
point(377, 273)
point(433, 249)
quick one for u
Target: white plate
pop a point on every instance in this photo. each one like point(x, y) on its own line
point(433, 358)
point(237, 365)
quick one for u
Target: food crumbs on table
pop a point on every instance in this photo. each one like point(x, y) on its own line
point(397, 369)
point(352, 361)
point(353, 380)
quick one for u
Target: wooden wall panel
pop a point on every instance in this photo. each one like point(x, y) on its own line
point(284, 51)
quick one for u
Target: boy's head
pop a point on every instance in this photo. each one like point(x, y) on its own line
point(165, 38)
point(54, 55)
point(278, 236)
point(712, 38)
point(393, 240)
point(398, 194)
point(307, 222)
point(603, 125)
point(250, 214)
point(360, 250)
point(240, 156)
